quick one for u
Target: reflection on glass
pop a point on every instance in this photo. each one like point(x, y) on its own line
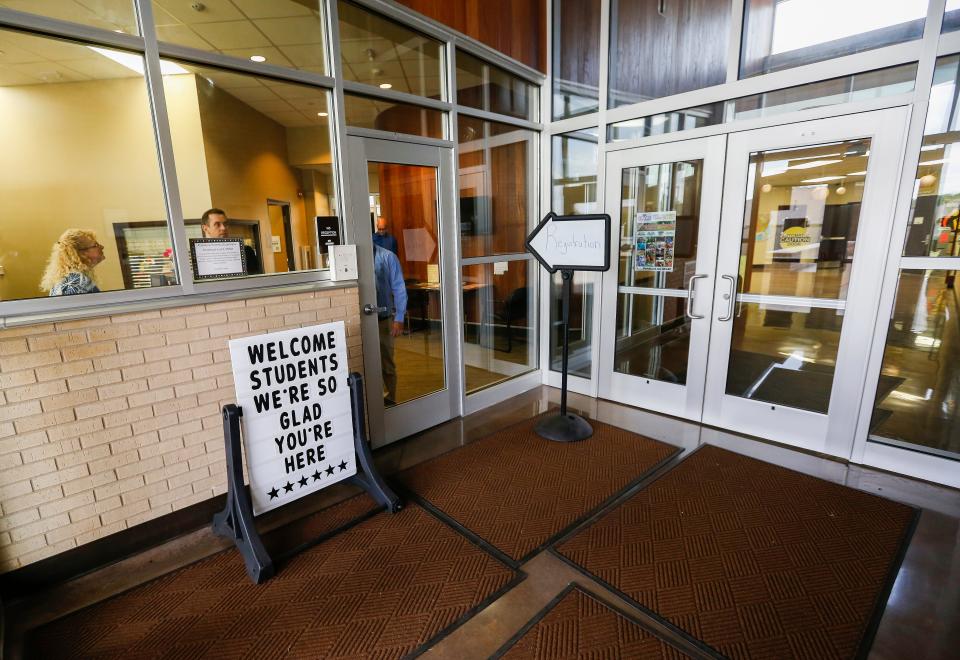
point(113, 15)
point(653, 337)
point(376, 51)
point(666, 122)
point(259, 150)
point(693, 36)
point(282, 32)
point(784, 355)
point(581, 324)
point(574, 158)
point(487, 87)
point(494, 183)
point(788, 33)
point(858, 87)
point(576, 57)
point(934, 219)
point(394, 117)
point(498, 322)
point(659, 224)
point(70, 163)
point(801, 218)
point(919, 387)
point(951, 16)
point(404, 221)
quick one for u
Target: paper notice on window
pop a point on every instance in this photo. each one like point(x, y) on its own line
point(653, 236)
point(218, 257)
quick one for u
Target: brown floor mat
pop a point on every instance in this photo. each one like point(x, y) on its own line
point(383, 587)
point(576, 625)
point(517, 491)
point(754, 559)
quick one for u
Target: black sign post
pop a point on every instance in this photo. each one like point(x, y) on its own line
point(568, 244)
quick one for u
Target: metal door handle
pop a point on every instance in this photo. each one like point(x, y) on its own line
point(730, 297)
point(690, 291)
point(371, 309)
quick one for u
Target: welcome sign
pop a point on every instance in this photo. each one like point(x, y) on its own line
point(297, 425)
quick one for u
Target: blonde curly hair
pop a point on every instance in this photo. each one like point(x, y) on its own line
point(65, 258)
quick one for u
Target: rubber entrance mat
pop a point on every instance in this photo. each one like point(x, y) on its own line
point(382, 587)
point(751, 558)
point(516, 491)
point(576, 625)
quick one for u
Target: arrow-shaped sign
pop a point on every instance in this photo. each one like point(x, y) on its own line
point(571, 242)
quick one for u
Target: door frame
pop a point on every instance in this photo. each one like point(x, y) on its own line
point(405, 419)
point(668, 398)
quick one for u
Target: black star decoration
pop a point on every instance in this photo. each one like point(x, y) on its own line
point(316, 475)
point(329, 469)
point(342, 466)
point(273, 493)
point(302, 482)
point(288, 487)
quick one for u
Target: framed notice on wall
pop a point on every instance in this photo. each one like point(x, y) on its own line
point(214, 258)
point(654, 235)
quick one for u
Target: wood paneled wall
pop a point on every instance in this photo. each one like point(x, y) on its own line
point(408, 200)
point(517, 28)
point(577, 55)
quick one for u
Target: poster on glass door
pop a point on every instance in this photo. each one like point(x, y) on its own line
point(653, 236)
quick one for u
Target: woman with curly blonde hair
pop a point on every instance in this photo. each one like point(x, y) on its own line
point(72, 260)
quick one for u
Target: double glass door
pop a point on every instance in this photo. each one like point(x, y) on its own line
point(749, 272)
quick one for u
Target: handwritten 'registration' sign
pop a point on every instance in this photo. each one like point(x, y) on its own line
point(575, 242)
point(297, 422)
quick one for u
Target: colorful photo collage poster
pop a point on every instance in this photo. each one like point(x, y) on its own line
point(653, 237)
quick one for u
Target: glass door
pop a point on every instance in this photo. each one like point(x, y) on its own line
point(807, 218)
point(665, 204)
point(402, 226)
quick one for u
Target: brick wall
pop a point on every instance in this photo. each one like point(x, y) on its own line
point(108, 422)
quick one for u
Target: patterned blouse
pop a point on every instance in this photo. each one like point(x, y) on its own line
point(73, 284)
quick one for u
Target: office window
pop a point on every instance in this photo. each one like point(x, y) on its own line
point(259, 150)
point(496, 195)
point(933, 228)
point(662, 48)
point(78, 162)
point(395, 117)
point(376, 51)
point(576, 57)
point(281, 32)
point(113, 15)
point(951, 16)
point(780, 34)
point(487, 87)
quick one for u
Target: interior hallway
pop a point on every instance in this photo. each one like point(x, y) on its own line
point(919, 620)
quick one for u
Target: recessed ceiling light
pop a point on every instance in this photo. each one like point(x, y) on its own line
point(385, 85)
point(258, 58)
point(321, 114)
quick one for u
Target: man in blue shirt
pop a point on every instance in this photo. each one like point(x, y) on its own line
point(383, 238)
point(392, 295)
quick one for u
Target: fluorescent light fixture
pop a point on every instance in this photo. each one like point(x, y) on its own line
point(812, 164)
point(258, 58)
point(932, 147)
point(385, 85)
point(135, 62)
point(774, 167)
point(940, 161)
point(821, 179)
point(863, 173)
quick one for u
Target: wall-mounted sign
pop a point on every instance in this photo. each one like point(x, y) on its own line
point(218, 257)
point(654, 235)
point(297, 427)
point(328, 232)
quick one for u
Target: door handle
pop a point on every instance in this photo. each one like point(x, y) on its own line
point(729, 297)
point(690, 291)
point(372, 309)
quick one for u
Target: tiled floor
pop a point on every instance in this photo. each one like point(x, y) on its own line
point(920, 620)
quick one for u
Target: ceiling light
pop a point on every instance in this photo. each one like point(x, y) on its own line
point(821, 192)
point(766, 188)
point(863, 173)
point(321, 114)
point(821, 179)
point(841, 190)
point(135, 62)
point(812, 164)
point(258, 58)
point(931, 147)
point(385, 85)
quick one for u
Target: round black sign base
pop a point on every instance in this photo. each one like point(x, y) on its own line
point(564, 428)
